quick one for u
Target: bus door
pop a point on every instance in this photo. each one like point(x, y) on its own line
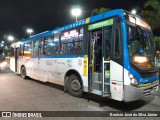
point(99, 68)
point(107, 38)
point(96, 67)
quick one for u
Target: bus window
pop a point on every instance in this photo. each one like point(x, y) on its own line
point(27, 48)
point(51, 45)
point(21, 50)
point(71, 41)
point(36, 48)
point(42, 46)
point(56, 44)
point(107, 39)
point(77, 45)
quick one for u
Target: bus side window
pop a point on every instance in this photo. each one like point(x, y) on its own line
point(27, 49)
point(71, 41)
point(36, 48)
point(21, 50)
point(56, 44)
point(51, 45)
point(77, 44)
point(42, 46)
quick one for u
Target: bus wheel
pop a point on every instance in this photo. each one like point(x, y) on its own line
point(23, 72)
point(74, 86)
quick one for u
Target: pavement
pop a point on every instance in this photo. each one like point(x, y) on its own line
point(17, 94)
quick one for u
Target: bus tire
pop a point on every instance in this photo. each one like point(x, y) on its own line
point(23, 72)
point(75, 86)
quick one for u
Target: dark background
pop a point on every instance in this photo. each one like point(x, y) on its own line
point(42, 15)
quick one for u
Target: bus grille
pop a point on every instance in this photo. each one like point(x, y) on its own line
point(151, 90)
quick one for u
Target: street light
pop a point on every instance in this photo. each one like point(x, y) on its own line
point(29, 30)
point(10, 38)
point(76, 11)
point(133, 11)
point(2, 44)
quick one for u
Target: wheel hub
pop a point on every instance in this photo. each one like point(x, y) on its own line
point(75, 85)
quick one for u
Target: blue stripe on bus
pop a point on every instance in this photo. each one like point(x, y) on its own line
point(108, 14)
point(152, 79)
point(62, 56)
point(127, 65)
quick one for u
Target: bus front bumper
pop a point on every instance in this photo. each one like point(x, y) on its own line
point(133, 93)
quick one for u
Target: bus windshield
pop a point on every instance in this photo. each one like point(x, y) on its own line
point(141, 47)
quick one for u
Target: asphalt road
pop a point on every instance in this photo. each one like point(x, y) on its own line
point(17, 94)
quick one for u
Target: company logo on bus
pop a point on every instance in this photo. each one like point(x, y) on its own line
point(143, 80)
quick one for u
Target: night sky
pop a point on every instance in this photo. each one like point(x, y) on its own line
point(44, 15)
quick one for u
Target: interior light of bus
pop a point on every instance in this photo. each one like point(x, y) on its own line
point(56, 39)
point(140, 59)
point(27, 52)
point(52, 44)
point(66, 34)
point(80, 34)
point(73, 32)
point(26, 57)
point(62, 38)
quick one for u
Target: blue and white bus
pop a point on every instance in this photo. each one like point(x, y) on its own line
point(111, 55)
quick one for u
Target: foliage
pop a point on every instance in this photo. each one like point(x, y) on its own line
point(100, 10)
point(151, 13)
point(157, 40)
point(7, 49)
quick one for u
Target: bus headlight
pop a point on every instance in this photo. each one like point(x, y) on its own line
point(133, 80)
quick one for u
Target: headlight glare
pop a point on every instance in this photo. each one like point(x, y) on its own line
point(133, 80)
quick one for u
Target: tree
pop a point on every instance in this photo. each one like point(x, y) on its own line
point(151, 13)
point(157, 40)
point(100, 10)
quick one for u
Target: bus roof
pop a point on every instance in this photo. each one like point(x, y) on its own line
point(92, 19)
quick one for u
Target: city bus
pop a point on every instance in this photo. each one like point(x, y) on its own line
point(111, 55)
